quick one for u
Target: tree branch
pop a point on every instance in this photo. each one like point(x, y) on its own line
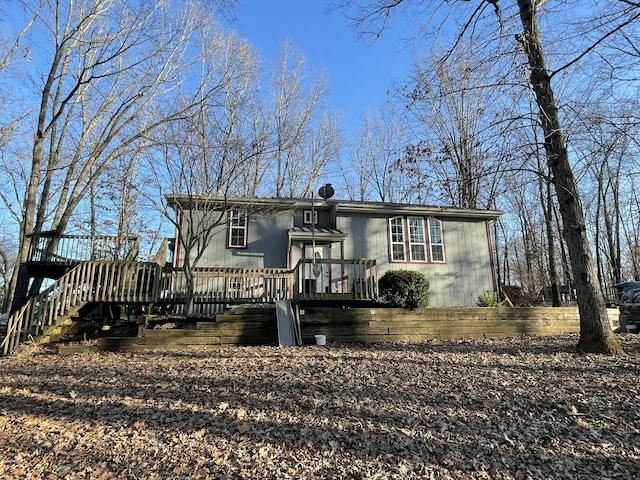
point(598, 42)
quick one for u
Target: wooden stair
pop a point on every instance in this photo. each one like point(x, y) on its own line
point(241, 326)
point(46, 316)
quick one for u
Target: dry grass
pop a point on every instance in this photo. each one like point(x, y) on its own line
point(500, 409)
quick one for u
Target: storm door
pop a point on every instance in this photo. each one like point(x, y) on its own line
point(316, 273)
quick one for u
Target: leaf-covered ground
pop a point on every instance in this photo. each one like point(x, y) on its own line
point(516, 408)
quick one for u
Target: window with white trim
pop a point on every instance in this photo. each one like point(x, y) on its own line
point(308, 215)
point(237, 229)
point(436, 243)
point(396, 239)
point(417, 240)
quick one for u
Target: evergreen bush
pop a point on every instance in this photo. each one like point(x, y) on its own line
point(404, 288)
point(488, 299)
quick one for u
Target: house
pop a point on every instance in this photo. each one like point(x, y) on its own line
point(340, 248)
point(260, 251)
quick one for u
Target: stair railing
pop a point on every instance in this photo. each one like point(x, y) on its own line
point(104, 281)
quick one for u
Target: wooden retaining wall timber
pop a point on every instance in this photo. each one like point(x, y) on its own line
point(398, 325)
point(355, 325)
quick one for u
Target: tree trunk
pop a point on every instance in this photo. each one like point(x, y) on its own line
point(547, 209)
point(595, 331)
point(190, 285)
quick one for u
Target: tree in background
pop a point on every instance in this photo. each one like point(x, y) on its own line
point(374, 156)
point(595, 331)
point(294, 135)
point(605, 141)
point(457, 158)
point(519, 20)
point(305, 136)
point(110, 70)
point(200, 159)
point(7, 252)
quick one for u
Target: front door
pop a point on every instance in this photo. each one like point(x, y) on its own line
point(316, 272)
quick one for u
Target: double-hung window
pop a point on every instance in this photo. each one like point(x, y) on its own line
point(435, 240)
point(237, 226)
point(396, 234)
point(417, 240)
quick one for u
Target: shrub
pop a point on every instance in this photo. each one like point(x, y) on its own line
point(404, 288)
point(488, 299)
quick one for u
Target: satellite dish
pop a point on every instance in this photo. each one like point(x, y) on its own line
point(326, 191)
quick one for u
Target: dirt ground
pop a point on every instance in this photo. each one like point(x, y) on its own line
point(520, 408)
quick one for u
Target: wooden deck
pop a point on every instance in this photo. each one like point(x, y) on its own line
point(350, 279)
point(53, 255)
point(104, 270)
point(116, 282)
point(224, 286)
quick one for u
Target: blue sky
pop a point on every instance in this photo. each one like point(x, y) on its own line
point(359, 73)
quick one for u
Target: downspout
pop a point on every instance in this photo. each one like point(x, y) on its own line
point(492, 262)
point(345, 285)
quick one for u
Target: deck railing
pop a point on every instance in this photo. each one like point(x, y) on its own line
point(230, 285)
point(130, 282)
point(354, 279)
point(346, 278)
point(117, 282)
point(56, 248)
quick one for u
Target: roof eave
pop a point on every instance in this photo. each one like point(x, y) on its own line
point(386, 209)
point(206, 202)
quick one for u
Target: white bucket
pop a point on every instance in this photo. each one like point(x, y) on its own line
point(320, 340)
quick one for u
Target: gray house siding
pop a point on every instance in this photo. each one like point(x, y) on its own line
point(466, 273)
point(266, 247)
point(361, 230)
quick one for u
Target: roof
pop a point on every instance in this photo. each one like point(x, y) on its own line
point(342, 206)
point(320, 234)
point(387, 208)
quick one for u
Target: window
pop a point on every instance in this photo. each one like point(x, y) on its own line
point(237, 229)
point(396, 232)
point(435, 240)
point(417, 243)
point(308, 215)
point(410, 241)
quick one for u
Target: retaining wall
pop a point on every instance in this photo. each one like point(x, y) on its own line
point(399, 325)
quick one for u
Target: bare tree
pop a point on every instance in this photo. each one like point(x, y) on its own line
point(610, 152)
point(306, 137)
point(118, 205)
point(199, 160)
point(595, 331)
point(536, 172)
point(110, 70)
point(7, 253)
point(374, 158)
point(457, 156)
point(321, 150)
point(11, 47)
point(294, 136)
